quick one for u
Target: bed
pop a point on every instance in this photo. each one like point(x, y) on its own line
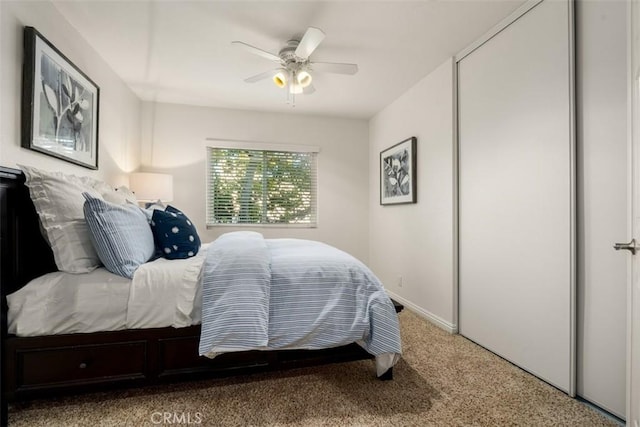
point(44, 365)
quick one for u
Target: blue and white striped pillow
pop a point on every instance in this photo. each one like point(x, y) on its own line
point(120, 235)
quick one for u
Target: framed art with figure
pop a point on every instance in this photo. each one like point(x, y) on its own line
point(59, 104)
point(398, 173)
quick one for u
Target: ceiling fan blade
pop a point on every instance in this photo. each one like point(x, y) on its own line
point(260, 76)
point(256, 51)
point(309, 42)
point(334, 67)
point(308, 90)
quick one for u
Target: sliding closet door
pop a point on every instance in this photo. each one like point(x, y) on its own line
point(516, 192)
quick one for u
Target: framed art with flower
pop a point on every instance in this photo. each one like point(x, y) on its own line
point(59, 104)
point(398, 173)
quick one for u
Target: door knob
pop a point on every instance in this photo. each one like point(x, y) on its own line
point(631, 246)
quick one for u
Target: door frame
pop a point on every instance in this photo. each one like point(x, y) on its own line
point(633, 299)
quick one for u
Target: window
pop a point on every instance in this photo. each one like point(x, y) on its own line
point(247, 186)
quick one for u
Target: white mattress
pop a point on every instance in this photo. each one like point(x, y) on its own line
point(162, 293)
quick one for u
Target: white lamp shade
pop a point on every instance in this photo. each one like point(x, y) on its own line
point(149, 187)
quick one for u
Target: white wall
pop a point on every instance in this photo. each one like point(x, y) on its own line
point(174, 141)
point(119, 115)
point(415, 241)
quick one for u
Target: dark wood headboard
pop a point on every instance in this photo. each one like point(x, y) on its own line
point(24, 254)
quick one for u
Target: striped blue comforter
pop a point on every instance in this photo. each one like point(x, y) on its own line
point(260, 294)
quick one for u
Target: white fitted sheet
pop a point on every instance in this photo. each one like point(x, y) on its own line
point(61, 303)
point(162, 293)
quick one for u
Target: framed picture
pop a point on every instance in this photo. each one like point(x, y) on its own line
point(398, 173)
point(59, 104)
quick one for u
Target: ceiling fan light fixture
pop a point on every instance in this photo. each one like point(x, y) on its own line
point(293, 72)
point(304, 78)
point(280, 79)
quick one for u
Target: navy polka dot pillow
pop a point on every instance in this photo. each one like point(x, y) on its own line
point(174, 235)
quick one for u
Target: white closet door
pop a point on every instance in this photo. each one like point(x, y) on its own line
point(601, 76)
point(516, 191)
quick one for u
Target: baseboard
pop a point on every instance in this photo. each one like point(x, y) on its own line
point(436, 320)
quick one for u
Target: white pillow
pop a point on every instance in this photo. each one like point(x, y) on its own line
point(59, 203)
point(100, 186)
point(127, 194)
point(120, 196)
point(148, 211)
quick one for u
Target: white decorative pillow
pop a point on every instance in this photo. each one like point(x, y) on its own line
point(148, 211)
point(120, 196)
point(100, 186)
point(59, 203)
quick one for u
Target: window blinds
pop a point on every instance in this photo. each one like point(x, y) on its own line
point(261, 187)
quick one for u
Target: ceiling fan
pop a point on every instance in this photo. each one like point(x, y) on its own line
point(295, 67)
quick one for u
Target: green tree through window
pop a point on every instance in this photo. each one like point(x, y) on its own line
point(261, 187)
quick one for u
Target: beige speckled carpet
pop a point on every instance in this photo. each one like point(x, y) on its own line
point(442, 380)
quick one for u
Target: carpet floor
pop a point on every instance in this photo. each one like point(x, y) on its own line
point(442, 380)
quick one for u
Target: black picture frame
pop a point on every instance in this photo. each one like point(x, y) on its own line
point(60, 104)
point(398, 173)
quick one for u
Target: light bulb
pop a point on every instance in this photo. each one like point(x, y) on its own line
point(303, 78)
point(295, 88)
point(280, 79)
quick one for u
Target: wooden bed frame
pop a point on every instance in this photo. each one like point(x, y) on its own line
point(44, 366)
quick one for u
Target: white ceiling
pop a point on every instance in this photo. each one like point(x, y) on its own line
point(181, 51)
